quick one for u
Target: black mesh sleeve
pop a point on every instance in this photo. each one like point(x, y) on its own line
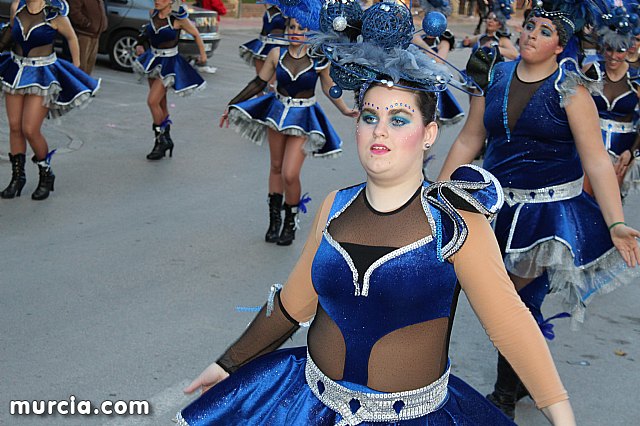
point(6, 40)
point(265, 334)
point(254, 87)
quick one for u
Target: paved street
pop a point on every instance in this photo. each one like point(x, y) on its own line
point(123, 285)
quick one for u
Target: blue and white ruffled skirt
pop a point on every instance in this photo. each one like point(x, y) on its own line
point(171, 68)
point(272, 391)
point(291, 116)
point(259, 48)
point(62, 85)
point(619, 137)
point(560, 231)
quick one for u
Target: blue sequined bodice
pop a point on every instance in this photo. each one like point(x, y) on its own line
point(622, 106)
point(40, 33)
point(304, 81)
point(270, 23)
point(540, 150)
point(405, 287)
point(162, 33)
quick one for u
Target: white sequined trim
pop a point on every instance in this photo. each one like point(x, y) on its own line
point(564, 191)
point(375, 407)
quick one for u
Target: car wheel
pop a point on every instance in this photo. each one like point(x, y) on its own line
point(122, 50)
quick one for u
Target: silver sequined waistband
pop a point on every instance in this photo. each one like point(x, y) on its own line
point(296, 102)
point(560, 192)
point(375, 407)
point(165, 52)
point(616, 126)
point(270, 40)
point(36, 61)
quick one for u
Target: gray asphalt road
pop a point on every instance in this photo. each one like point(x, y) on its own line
point(123, 285)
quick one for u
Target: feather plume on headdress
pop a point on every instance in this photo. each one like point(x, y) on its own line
point(306, 12)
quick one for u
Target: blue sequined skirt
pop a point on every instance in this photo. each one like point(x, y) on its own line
point(568, 240)
point(258, 48)
point(272, 390)
point(62, 85)
point(297, 117)
point(449, 110)
point(172, 68)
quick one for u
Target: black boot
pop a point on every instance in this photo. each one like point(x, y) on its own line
point(18, 178)
point(45, 184)
point(275, 218)
point(288, 233)
point(162, 144)
point(505, 391)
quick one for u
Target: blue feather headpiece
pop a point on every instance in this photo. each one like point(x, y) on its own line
point(382, 52)
point(306, 12)
point(616, 24)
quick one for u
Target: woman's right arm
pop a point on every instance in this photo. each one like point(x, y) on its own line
point(255, 86)
point(469, 142)
point(507, 321)
point(295, 303)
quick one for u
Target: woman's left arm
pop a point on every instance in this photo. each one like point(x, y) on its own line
point(63, 26)
point(327, 83)
point(583, 120)
point(186, 25)
point(507, 49)
point(507, 321)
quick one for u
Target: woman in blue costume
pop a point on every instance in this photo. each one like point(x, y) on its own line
point(496, 34)
point(542, 129)
point(292, 122)
point(378, 275)
point(449, 110)
point(163, 66)
point(617, 101)
point(255, 52)
point(37, 84)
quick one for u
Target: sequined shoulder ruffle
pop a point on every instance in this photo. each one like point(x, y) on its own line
point(55, 8)
point(570, 76)
point(181, 13)
point(471, 188)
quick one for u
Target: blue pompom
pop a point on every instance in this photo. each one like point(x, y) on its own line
point(633, 18)
point(335, 92)
point(618, 11)
point(636, 31)
point(434, 24)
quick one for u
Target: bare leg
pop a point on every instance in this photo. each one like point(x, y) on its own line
point(14, 105)
point(157, 92)
point(291, 167)
point(276, 150)
point(34, 114)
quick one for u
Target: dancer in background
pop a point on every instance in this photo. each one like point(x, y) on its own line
point(163, 66)
point(379, 276)
point(36, 84)
point(496, 32)
point(542, 130)
point(255, 52)
point(292, 122)
point(617, 100)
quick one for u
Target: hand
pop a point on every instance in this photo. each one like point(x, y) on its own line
point(466, 41)
point(622, 165)
point(225, 118)
point(351, 112)
point(624, 238)
point(211, 376)
point(139, 50)
point(202, 59)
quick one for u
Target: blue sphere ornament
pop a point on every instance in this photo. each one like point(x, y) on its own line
point(335, 92)
point(434, 24)
point(336, 13)
point(633, 18)
point(618, 11)
point(388, 25)
point(636, 31)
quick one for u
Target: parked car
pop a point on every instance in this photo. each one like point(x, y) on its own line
point(126, 18)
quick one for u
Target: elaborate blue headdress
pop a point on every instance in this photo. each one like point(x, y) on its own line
point(306, 12)
point(617, 23)
point(502, 9)
point(569, 16)
point(382, 52)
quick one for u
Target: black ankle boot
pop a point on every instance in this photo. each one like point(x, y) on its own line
point(275, 218)
point(45, 184)
point(162, 144)
point(18, 178)
point(288, 233)
point(505, 391)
